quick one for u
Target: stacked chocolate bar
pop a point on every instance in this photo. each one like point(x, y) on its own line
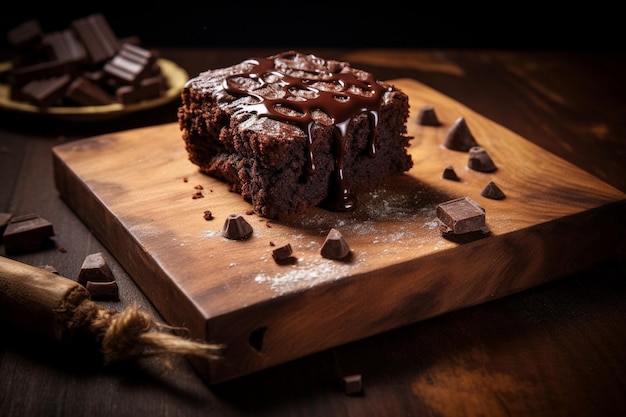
point(85, 64)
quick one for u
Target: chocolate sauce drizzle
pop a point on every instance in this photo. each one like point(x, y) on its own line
point(340, 95)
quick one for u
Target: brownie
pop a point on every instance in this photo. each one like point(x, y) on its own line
point(292, 131)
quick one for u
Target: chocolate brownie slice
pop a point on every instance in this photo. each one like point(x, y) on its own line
point(292, 131)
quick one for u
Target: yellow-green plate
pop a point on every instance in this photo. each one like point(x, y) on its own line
point(175, 76)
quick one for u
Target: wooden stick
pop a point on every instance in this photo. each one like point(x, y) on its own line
point(60, 309)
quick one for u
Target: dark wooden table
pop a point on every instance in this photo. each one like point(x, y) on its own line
point(554, 350)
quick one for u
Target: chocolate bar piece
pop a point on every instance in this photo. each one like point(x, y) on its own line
point(95, 269)
point(64, 46)
point(27, 233)
point(97, 36)
point(131, 64)
point(41, 70)
point(45, 92)
point(335, 245)
point(147, 89)
point(461, 215)
point(87, 93)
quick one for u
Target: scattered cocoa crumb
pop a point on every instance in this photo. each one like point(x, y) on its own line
point(250, 212)
point(272, 243)
point(268, 224)
point(185, 179)
point(197, 194)
point(208, 215)
point(62, 249)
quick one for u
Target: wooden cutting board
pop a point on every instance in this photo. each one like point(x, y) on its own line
point(135, 190)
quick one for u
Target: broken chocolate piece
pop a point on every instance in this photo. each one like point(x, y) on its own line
point(27, 233)
point(461, 215)
point(45, 92)
point(450, 174)
point(86, 93)
point(96, 269)
point(145, 90)
point(283, 254)
point(352, 384)
point(65, 47)
point(103, 291)
point(236, 227)
point(427, 116)
point(335, 246)
point(459, 137)
point(492, 191)
point(479, 160)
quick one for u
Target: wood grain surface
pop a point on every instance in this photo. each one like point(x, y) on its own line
point(134, 190)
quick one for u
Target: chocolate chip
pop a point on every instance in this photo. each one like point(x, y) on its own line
point(461, 215)
point(104, 291)
point(450, 174)
point(26, 233)
point(479, 160)
point(208, 215)
point(335, 246)
point(459, 137)
point(492, 191)
point(96, 269)
point(427, 116)
point(236, 228)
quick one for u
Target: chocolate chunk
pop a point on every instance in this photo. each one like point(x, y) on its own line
point(492, 191)
point(335, 246)
point(236, 227)
point(96, 269)
point(27, 233)
point(461, 215)
point(103, 291)
point(479, 160)
point(352, 384)
point(283, 255)
point(87, 93)
point(450, 174)
point(427, 116)
point(208, 215)
point(459, 137)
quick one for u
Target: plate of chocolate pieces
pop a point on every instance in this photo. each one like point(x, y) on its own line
point(84, 72)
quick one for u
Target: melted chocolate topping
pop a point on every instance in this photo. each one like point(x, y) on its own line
point(288, 91)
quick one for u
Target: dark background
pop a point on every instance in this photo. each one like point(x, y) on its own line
point(291, 24)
